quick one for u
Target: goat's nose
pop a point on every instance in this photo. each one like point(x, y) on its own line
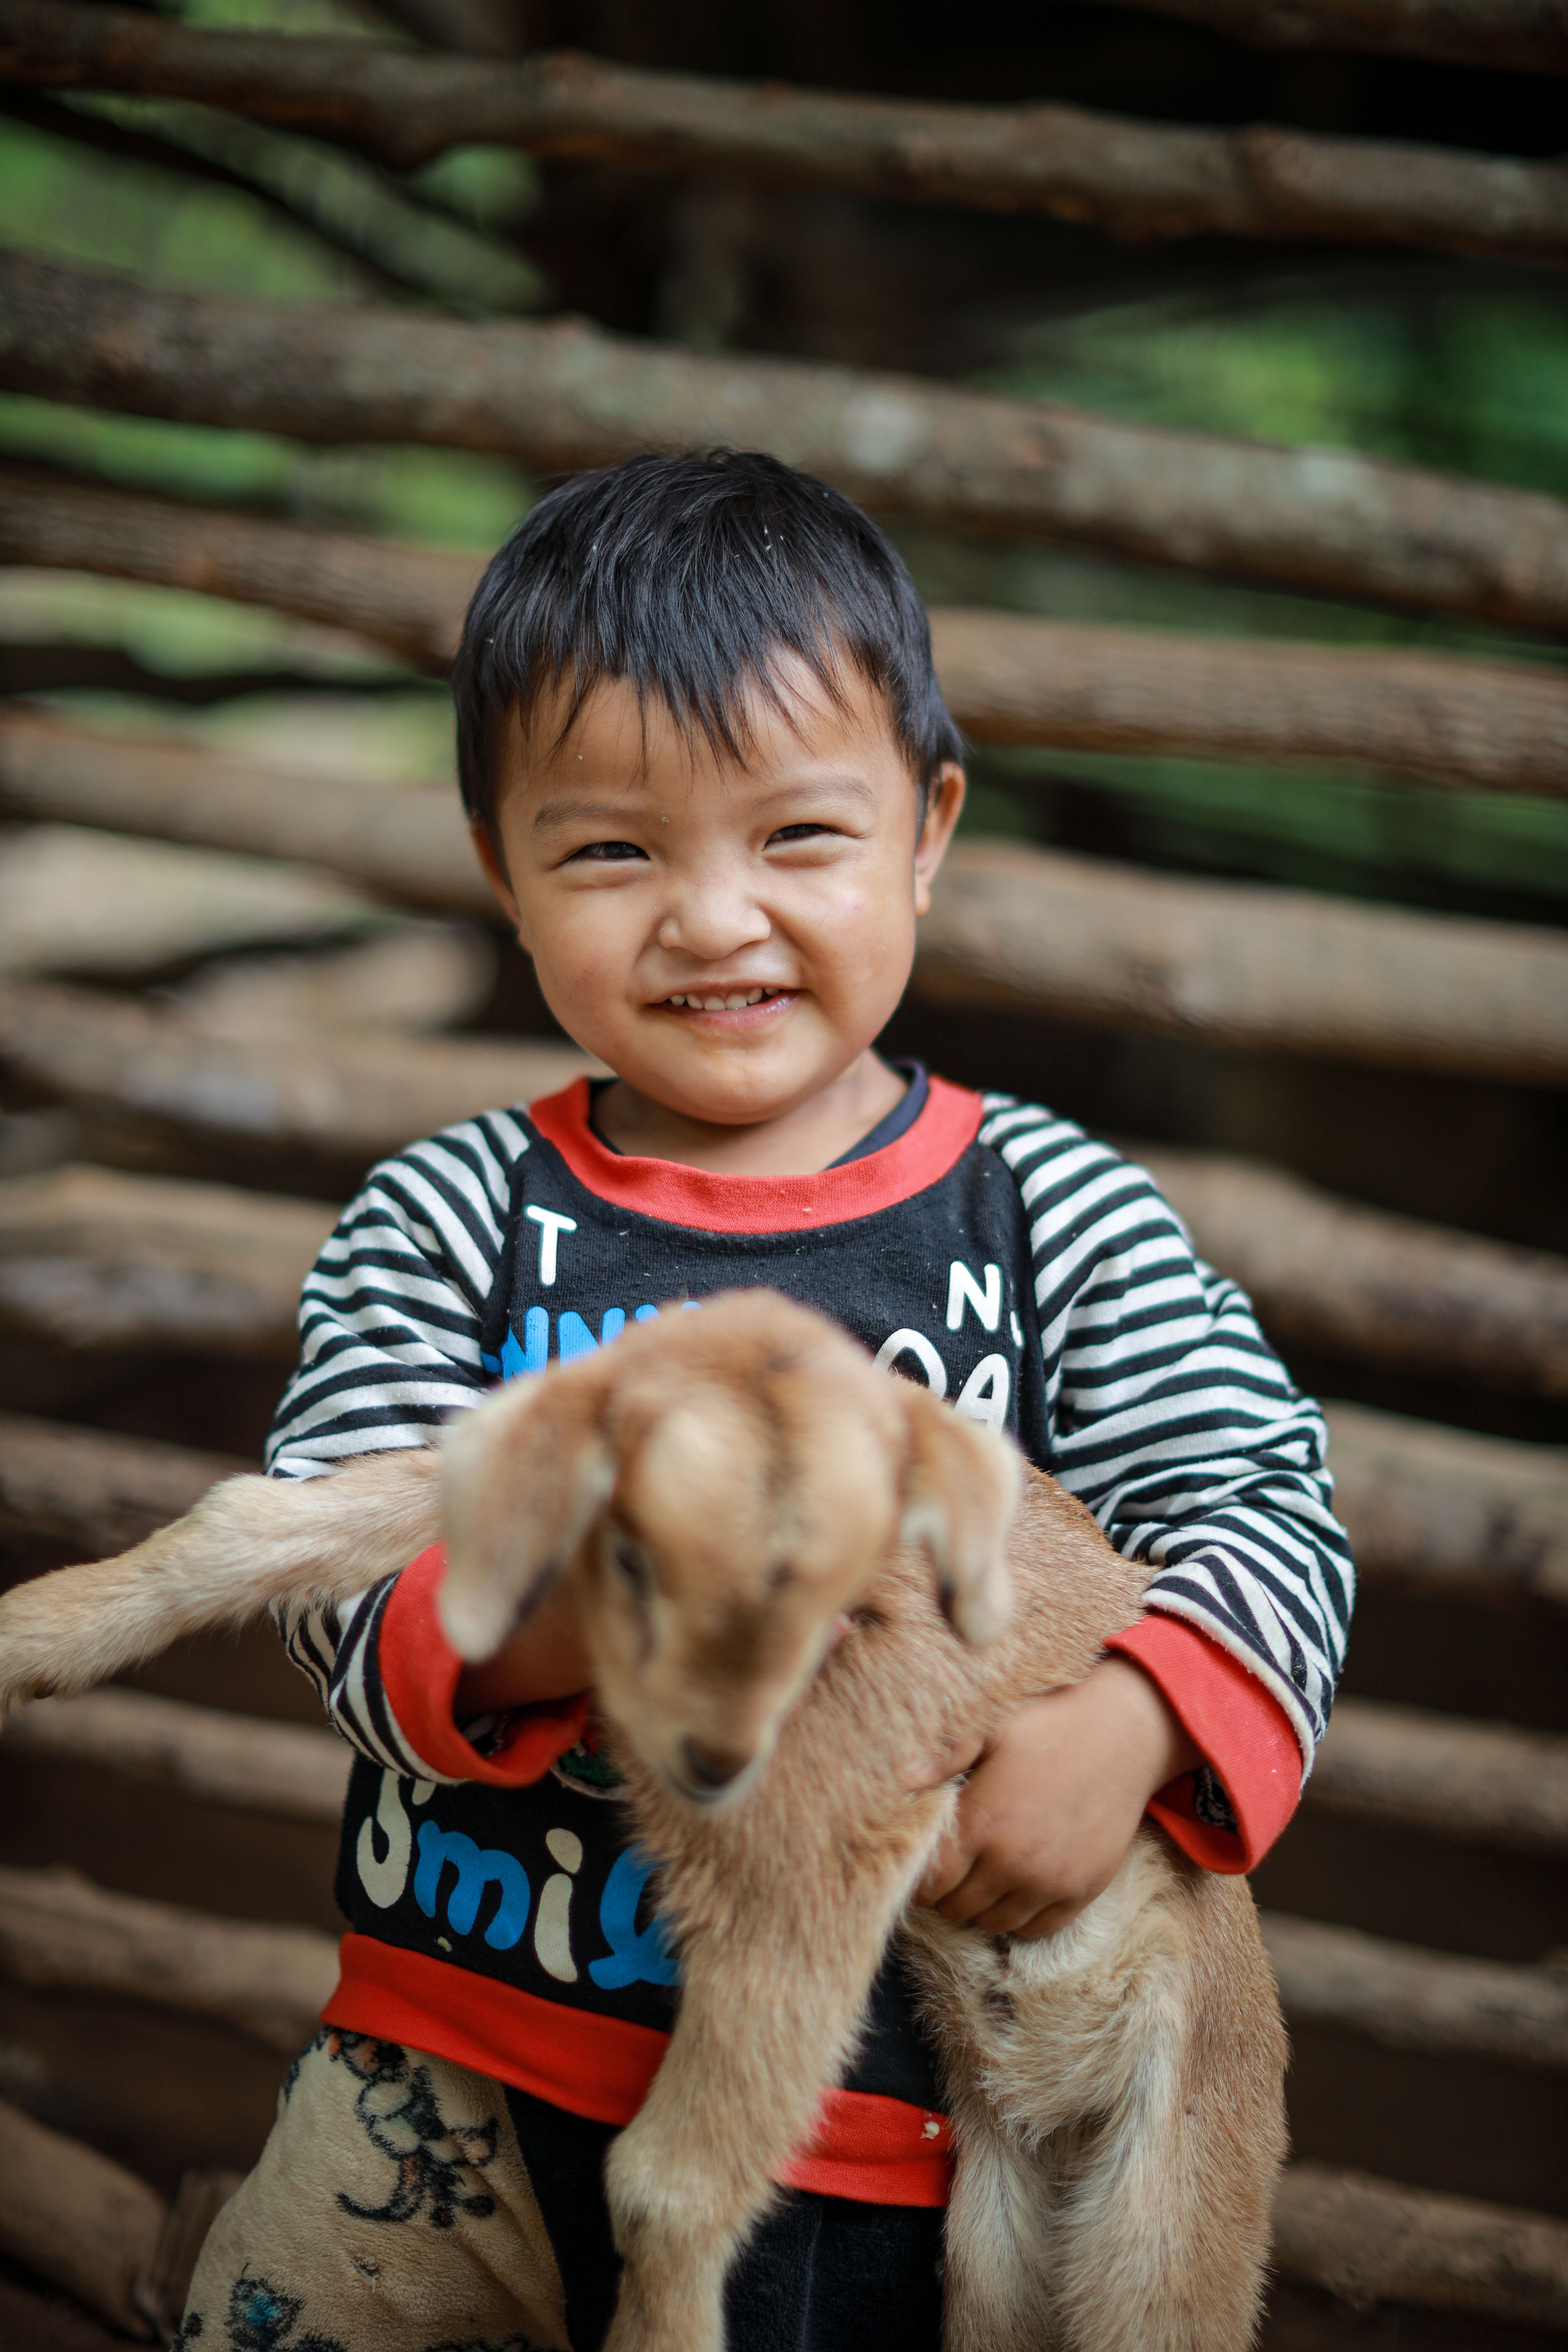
point(710, 1768)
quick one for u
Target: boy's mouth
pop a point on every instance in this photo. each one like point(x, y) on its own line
point(733, 1000)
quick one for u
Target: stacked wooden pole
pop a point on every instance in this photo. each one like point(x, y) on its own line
point(101, 1264)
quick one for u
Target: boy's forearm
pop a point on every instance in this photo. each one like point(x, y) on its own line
point(546, 1658)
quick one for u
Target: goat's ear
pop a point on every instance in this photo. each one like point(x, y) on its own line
point(961, 1491)
point(522, 1477)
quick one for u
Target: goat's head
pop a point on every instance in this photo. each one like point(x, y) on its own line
point(723, 1484)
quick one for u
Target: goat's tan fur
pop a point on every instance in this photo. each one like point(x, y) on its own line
point(723, 1486)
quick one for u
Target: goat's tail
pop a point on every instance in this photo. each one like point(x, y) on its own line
point(249, 1543)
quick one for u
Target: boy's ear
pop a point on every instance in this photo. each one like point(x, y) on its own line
point(961, 1492)
point(944, 804)
point(495, 873)
point(521, 1479)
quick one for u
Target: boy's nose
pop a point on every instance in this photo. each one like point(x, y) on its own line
point(711, 923)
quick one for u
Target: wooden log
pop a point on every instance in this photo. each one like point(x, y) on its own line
point(409, 979)
point(1007, 680)
point(355, 1095)
point(1390, 1287)
point(410, 845)
point(1443, 1510)
point(1372, 2242)
point(565, 393)
point(74, 2217)
point(79, 901)
point(204, 2191)
point(95, 1260)
point(1245, 964)
point(1513, 36)
point(56, 1930)
point(1135, 178)
point(93, 1493)
point(284, 1769)
point(1406, 1999)
point(408, 600)
point(1484, 1783)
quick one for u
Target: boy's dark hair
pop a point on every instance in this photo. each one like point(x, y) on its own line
point(689, 577)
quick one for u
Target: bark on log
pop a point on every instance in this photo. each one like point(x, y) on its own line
point(92, 1494)
point(1483, 1783)
point(74, 2217)
point(1514, 35)
point(408, 600)
point(410, 845)
point(408, 978)
point(1325, 1273)
point(354, 1096)
point(566, 394)
point(1134, 178)
point(1370, 2241)
point(1408, 1998)
point(1497, 725)
point(58, 1930)
point(1439, 1508)
point(1245, 964)
point(94, 1260)
point(284, 1769)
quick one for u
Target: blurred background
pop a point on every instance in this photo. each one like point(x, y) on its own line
point(241, 952)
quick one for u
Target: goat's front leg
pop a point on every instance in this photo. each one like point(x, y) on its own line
point(779, 1960)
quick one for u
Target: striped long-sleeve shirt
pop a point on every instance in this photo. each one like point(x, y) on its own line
point(983, 1246)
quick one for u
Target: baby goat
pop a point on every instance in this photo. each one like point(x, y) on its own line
point(725, 1485)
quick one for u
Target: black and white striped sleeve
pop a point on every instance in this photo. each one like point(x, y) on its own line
point(1173, 1419)
point(389, 1347)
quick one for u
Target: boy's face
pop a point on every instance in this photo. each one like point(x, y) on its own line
point(728, 938)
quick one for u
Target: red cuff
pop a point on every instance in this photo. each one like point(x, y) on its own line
point(420, 1671)
point(1241, 1732)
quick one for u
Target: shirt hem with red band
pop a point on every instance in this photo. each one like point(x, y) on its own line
point(871, 2149)
point(867, 2147)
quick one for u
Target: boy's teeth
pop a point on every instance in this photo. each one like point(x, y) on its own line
point(720, 1003)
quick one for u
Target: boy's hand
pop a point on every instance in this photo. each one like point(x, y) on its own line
point(546, 1658)
point(1053, 1803)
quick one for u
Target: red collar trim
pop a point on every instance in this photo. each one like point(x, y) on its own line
point(921, 1156)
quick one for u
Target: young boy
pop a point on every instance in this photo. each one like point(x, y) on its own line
point(710, 777)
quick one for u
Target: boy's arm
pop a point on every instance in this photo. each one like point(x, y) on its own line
point(390, 1331)
point(1170, 1416)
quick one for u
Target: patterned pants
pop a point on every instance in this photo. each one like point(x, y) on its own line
point(392, 2211)
point(389, 2212)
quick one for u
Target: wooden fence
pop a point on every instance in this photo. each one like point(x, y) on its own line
point(106, 1265)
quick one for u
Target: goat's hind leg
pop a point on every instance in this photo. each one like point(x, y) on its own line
point(248, 1542)
point(1161, 2225)
point(1000, 2254)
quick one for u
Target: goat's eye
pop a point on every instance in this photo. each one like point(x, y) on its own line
point(635, 1566)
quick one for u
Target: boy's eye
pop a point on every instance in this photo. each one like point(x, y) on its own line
point(798, 832)
point(605, 852)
